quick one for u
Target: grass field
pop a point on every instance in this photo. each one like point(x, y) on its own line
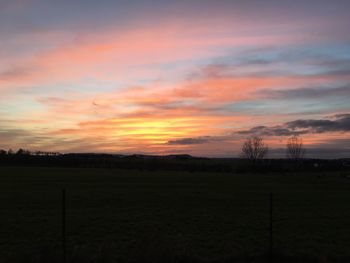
point(132, 216)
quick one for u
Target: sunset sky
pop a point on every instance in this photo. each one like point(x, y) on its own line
point(174, 77)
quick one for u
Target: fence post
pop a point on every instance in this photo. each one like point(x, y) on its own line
point(271, 227)
point(64, 226)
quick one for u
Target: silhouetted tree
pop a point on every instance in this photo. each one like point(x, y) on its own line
point(3, 152)
point(254, 149)
point(295, 148)
point(10, 152)
point(22, 152)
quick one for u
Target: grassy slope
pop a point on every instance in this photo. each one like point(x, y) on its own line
point(127, 213)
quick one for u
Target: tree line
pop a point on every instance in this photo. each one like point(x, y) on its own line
point(254, 150)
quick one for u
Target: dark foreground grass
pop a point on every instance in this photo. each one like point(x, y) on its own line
point(132, 216)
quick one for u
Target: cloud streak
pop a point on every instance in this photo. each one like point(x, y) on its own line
point(338, 123)
point(308, 93)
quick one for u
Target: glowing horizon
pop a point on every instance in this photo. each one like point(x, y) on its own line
point(159, 77)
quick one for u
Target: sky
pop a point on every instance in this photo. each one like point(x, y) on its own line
point(175, 77)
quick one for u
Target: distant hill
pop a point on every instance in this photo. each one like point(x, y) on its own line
point(175, 162)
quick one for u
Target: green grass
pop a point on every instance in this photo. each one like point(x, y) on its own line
point(131, 215)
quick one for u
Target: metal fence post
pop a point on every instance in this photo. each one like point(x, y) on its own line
point(271, 227)
point(64, 246)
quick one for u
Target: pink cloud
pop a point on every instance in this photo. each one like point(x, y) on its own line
point(123, 54)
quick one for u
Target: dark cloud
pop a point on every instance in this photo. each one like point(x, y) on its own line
point(338, 123)
point(200, 140)
point(308, 93)
point(188, 141)
point(271, 131)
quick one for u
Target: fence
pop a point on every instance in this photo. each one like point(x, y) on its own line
point(266, 223)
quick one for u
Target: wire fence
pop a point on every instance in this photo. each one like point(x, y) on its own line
point(271, 223)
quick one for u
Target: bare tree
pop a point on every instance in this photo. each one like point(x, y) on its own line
point(295, 148)
point(254, 148)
